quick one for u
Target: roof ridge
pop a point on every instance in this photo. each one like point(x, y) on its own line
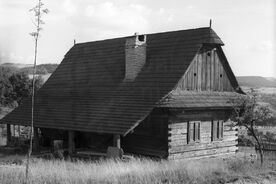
point(153, 33)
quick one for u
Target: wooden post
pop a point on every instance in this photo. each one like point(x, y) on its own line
point(18, 130)
point(36, 140)
point(8, 134)
point(13, 130)
point(115, 151)
point(71, 142)
point(116, 141)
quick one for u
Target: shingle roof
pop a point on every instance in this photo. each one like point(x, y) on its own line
point(87, 91)
point(200, 99)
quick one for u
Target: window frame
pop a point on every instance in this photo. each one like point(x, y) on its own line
point(217, 130)
point(193, 132)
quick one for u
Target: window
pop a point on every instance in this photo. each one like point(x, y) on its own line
point(193, 131)
point(217, 130)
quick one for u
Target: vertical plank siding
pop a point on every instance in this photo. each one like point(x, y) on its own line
point(180, 148)
point(202, 74)
point(199, 70)
point(206, 72)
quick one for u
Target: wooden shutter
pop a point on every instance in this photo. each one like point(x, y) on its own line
point(214, 130)
point(197, 131)
point(220, 129)
point(191, 132)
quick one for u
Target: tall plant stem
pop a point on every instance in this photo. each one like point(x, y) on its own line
point(33, 92)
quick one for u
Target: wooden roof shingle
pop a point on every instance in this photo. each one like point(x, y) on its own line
point(201, 99)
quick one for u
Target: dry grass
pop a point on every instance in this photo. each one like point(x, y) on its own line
point(139, 171)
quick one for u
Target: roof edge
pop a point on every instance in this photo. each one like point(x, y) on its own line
point(153, 33)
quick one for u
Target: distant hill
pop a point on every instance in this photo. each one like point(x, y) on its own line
point(15, 65)
point(256, 81)
point(41, 69)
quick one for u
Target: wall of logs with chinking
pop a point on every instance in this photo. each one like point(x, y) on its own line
point(178, 146)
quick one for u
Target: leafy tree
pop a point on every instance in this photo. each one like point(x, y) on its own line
point(7, 71)
point(249, 113)
point(20, 83)
point(5, 85)
point(22, 86)
point(15, 87)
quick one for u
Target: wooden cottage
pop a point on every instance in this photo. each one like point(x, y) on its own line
point(164, 94)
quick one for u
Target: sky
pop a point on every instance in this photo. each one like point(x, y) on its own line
point(247, 27)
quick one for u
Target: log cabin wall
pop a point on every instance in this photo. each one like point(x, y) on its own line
point(206, 72)
point(150, 137)
point(179, 146)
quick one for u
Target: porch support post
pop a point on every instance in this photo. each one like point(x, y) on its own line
point(71, 142)
point(8, 134)
point(117, 141)
point(18, 130)
point(115, 151)
point(13, 126)
point(36, 139)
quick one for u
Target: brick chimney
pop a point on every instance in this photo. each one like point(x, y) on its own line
point(135, 55)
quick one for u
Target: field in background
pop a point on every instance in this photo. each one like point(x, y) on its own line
point(267, 96)
point(257, 81)
point(232, 170)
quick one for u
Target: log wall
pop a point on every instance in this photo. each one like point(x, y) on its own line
point(179, 148)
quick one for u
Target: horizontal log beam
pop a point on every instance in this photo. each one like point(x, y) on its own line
point(173, 148)
point(197, 153)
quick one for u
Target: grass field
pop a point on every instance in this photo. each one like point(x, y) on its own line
point(234, 170)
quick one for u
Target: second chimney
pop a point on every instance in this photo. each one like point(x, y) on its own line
point(135, 56)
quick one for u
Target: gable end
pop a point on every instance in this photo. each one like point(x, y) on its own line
point(208, 72)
